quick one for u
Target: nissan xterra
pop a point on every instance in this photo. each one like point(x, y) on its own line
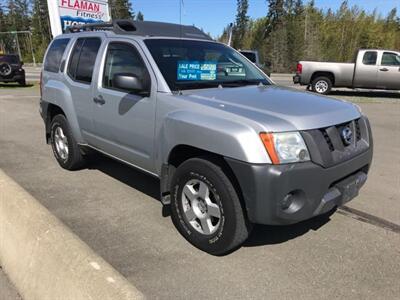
point(230, 148)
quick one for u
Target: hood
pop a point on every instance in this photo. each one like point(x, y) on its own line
point(276, 108)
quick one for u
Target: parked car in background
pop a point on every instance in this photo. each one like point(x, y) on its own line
point(11, 69)
point(254, 57)
point(372, 69)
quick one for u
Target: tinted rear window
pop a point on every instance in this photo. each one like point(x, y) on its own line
point(55, 54)
point(369, 58)
point(250, 56)
point(12, 59)
point(83, 59)
point(73, 61)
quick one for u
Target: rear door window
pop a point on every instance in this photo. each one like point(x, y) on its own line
point(55, 54)
point(83, 59)
point(369, 58)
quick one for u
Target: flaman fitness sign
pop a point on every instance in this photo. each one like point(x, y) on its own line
point(64, 13)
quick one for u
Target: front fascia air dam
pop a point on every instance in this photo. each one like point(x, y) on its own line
point(264, 186)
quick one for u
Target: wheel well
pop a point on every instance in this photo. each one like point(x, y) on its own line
point(52, 111)
point(325, 74)
point(181, 153)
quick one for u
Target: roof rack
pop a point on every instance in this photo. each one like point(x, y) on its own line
point(143, 28)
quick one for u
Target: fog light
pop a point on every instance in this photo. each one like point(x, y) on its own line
point(287, 201)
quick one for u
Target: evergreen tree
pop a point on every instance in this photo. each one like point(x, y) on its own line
point(41, 31)
point(313, 22)
point(295, 31)
point(140, 16)
point(3, 16)
point(121, 9)
point(241, 24)
point(277, 39)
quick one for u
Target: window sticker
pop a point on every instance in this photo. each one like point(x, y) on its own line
point(196, 70)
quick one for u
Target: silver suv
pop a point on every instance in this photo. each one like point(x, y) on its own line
point(230, 147)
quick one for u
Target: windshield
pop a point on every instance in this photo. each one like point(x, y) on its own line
point(187, 64)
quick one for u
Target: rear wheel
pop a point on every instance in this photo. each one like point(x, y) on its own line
point(22, 82)
point(205, 207)
point(321, 85)
point(64, 146)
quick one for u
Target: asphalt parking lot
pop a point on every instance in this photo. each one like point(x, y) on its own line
point(116, 211)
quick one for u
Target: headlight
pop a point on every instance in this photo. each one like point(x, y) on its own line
point(285, 147)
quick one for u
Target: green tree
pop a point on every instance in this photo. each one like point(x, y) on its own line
point(241, 24)
point(295, 31)
point(313, 22)
point(41, 31)
point(277, 37)
point(140, 16)
point(121, 9)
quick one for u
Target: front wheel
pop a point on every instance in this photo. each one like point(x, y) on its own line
point(205, 207)
point(321, 85)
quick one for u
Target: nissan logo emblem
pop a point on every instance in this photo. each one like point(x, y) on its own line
point(346, 134)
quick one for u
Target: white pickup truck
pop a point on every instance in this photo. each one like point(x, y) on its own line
point(373, 69)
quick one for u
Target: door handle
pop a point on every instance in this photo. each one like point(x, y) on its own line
point(99, 100)
point(384, 69)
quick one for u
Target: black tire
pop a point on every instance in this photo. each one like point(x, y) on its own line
point(321, 85)
point(22, 82)
point(5, 69)
point(74, 159)
point(233, 228)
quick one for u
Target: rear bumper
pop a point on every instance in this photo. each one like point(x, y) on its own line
point(312, 189)
point(14, 77)
point(296, 79)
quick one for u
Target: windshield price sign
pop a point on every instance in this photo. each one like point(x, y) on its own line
point(196, 70)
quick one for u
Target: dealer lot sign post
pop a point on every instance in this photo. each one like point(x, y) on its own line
point(65, 13)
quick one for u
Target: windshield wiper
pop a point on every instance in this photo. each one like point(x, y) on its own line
point(212, 84)
point(196, 85)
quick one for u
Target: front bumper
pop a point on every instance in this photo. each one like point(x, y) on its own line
point(314, 189)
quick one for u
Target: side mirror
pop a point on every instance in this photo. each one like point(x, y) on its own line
point(129, 82)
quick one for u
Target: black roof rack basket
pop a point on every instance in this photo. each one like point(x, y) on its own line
point(143, 28)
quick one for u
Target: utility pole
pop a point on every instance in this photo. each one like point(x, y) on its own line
point(230, 34)
point(31, 46)
point(19, 49)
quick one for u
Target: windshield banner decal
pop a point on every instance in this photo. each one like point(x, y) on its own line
point(196, 70)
